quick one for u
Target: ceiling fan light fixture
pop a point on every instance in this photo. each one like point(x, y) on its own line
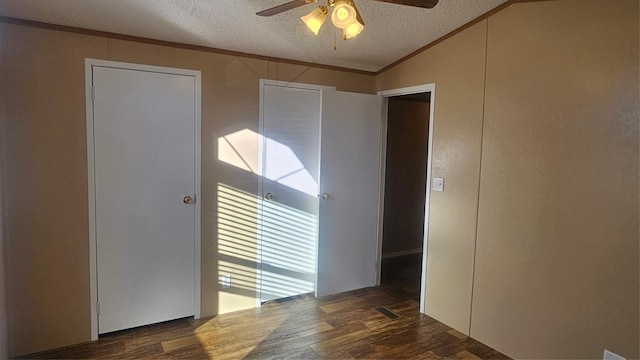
point(356, 27)
point(352, 30)
point(315, 19)
point(344, 14)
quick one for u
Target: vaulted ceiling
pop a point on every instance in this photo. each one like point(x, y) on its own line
point(391, 31)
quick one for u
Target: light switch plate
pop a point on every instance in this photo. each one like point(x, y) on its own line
point(438, 184)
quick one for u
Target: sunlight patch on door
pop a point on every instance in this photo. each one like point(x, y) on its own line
point(264, 246)
point(288, 251)
point(242, 150)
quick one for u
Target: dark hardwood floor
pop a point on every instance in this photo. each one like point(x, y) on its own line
point(372, 323)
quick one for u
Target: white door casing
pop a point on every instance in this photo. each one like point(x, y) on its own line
point(431, 89)
point(350, 177)
point(143, 130)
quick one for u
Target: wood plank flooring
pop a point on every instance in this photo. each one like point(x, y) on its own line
point(343, 326)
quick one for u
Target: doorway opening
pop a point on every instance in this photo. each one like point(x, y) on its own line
point(405, 183)
point(405, 206)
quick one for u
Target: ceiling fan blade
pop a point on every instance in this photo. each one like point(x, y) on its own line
point(427, 4)
point(284, 7)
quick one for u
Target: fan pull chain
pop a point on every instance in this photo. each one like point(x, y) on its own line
point(335, 40)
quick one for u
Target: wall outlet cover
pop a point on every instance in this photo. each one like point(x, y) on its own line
point(226, 281)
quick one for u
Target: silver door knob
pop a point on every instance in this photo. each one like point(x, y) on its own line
point(325, 196)
point(269, 196)
point(187, 200)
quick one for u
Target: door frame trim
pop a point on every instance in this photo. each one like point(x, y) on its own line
point(93, 288)
point(386, 94)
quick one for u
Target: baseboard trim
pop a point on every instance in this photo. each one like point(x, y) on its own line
point(401, 253)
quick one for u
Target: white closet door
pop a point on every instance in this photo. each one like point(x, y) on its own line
point(350, 177)
point(289, 213)
point(144, 140)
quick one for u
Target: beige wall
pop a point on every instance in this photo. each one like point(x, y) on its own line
point(405, 176)
point(557, 243)
point(3, 297)
point(559, 188)
point(46, 192)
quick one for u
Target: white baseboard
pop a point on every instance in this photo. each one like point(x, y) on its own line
point(401, 253)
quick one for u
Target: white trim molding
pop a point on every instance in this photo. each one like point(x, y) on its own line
point(431, 89)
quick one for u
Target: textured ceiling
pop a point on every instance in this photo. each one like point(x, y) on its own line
point(391, 31)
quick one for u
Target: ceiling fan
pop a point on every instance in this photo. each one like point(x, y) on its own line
point(344, 15)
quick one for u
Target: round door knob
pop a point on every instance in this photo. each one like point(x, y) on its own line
point(187, 200)
point(325, 196)
point(269, 196)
